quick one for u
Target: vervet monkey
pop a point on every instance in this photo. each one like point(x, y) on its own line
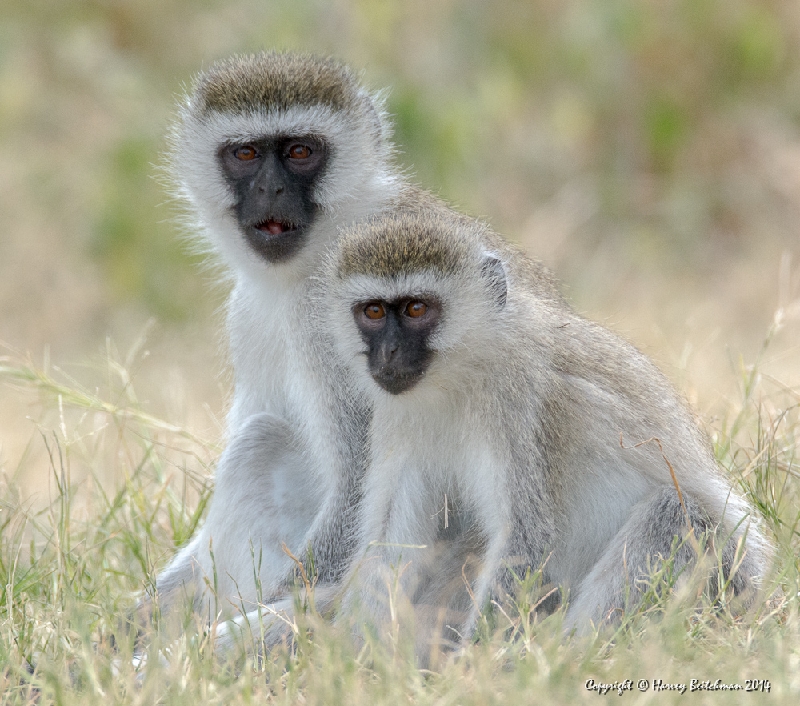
point(507, 433)
point(272, 153)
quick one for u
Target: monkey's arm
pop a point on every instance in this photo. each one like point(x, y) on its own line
point(330, 541)
point(396, 527)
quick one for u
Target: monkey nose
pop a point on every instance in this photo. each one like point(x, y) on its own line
point(278, 189)
point(387, 353)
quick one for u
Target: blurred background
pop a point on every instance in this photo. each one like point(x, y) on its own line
point(647, 150)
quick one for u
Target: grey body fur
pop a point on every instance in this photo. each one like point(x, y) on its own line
point(292, 471)
point(515, 430)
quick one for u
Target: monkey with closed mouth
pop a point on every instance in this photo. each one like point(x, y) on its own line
point(508, 433)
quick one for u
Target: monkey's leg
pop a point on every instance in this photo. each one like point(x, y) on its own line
point(263, 498)
point(618, 579)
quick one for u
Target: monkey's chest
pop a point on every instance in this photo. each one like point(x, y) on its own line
point(274, 370)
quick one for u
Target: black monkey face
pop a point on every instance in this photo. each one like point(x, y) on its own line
point(273, 181)
point(397, 334)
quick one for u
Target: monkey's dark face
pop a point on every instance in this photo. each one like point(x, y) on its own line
point(273, 181)
point(397, 335)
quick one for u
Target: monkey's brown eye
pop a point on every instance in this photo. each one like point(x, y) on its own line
point(245, 153)
point(299, 152)
point(374, 311)
point(416, 309)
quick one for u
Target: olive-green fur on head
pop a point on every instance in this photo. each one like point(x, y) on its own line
point(274, 80)
point(408, 241)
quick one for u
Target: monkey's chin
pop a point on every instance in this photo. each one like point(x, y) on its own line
point(395, 384)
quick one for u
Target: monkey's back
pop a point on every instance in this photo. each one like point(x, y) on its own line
point(611, 429)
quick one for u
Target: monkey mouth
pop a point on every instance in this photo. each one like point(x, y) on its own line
point(276, 240)
point(272, 226)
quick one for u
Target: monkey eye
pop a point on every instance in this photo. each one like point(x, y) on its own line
point(416, 309)
point(245, 153)
point(299, 151)
point(374, 311)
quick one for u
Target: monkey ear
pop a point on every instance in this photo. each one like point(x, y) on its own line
point(494, 272)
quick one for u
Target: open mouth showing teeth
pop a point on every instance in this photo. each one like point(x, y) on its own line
point(275, 239)
point(273, 227)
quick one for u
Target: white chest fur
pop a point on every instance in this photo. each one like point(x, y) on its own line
point(275, 368)
point(426, 453)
